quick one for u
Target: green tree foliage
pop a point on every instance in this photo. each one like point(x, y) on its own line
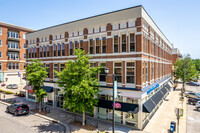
point(36, 74)
point(185, 68)
point(80, 84)
point(197, 64)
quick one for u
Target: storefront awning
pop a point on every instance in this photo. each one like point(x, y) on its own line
point(48, 89)
point(27, 87)
point(148, 106)
point(157, 97)
point(164, 91)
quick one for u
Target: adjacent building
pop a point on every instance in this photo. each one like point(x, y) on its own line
point(12, 53)
point(129, 43)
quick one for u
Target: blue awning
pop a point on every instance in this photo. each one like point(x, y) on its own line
point(48, 89)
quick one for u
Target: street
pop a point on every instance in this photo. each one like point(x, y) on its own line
point(193, 116)
point(26, 123)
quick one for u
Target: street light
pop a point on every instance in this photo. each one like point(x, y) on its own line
point(113, 122)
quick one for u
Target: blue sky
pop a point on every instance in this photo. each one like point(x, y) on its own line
point(179, 20)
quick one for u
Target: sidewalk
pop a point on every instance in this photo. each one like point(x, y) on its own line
point(160, 122)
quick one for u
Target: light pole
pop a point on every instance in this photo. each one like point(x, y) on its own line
point(113, 116)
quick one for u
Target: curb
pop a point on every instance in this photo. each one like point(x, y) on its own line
point(45, 117)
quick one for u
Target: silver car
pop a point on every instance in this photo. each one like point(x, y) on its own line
point(12, 86)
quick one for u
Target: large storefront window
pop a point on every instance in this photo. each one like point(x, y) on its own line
point(31, 97)
point(50, 99)
point(102, 74)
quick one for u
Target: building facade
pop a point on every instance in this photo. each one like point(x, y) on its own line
point(129, 43)
point(12, 53)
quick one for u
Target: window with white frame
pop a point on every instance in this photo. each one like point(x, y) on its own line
point(96, 30)
point(71, 48)
point(102, 74)
point(0, 43)
point(152, 48)
point(44, 51)
point(122, 25)
point(12, 66)
point(132, 42)
point(146, 71)
point(58, 36)
point(47, 50)
point(97, 46)
point(59, 52)
point(143, 72)
point(32, 52)
point(124, 43)
point(63, 49)
point(81, 44)
point(104, 45)
point(80, 33)
point(0, 31)
point(55, 68)
point(62, 66)
point(13, 45)
point(131, 23)
point(29, 52)
point(54, 50)
point(13, 56)
point(24, 45)
point(24, 35)
point(40, 51)
point(24, 56)
point(76, 44)
point(90, 31)
point(103, 28)
point(91, 46)
point(115, 26)
point(118, 72)
point(130, 72)
point(13, 34)
point(75, 33)
point(116, 44)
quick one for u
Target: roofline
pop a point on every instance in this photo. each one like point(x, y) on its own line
point(87, 18)
point(156, 25)
point(17, 27)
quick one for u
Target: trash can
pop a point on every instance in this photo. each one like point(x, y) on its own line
point(173, 126)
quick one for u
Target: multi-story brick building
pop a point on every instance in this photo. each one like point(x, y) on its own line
point(129, 43)
point(12, 52)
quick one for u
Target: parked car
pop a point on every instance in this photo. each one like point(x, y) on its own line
point(12, 86)
point(193, 100)
point(198, 105)
point(18, 109)
point(3, 84)
point(192, 95)
point(192, 83)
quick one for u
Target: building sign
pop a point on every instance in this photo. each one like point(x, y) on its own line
point(152, 88)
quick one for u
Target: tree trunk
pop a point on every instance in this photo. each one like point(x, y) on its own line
point(40, 106)
point(83, 123)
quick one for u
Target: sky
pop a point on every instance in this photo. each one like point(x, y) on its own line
point(179, 20)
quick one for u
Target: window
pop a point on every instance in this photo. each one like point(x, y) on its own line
point(102, 74)
point(63, 49)
point(17, 65)
point(0, 43)
point(123, 43)
point(47, 68)
point(130, 72)
point(40, 51)
point(97, 46)
point(35, 52)
point(59, 53)
point(91, 46)
point(76, 45)
point(71, 48)
point(81, 44)
point(132, 42)
point(44, 50)
point(118, 72)
point(143, 72)
point(32, 52)
point(144, 44)
point(116, 47)
point(24, 45)
point(146, 71)
point(62, 66)
point(92, 64)
point(0, 66)
point(47, 50)
point(24, 56)
point(152, 48)
point(0, 54)
point(13, 34)
point(29, 53)
point(104, 45)
point(13, 45)
point(9, 66)
point(54, 50)
point(24, 35)
point(13, 66)
point(55, 67)
point(0, 31)
point(24, 65)
point(13, 56)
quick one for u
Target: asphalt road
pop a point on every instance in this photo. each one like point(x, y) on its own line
point(193, 116)
point(26, 123)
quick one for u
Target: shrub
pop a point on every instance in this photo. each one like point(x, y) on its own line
point(8, 92)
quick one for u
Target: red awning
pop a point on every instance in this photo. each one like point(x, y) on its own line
point(27, 87)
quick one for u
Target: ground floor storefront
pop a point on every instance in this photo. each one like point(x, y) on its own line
point(135, 108)
point(12, 77)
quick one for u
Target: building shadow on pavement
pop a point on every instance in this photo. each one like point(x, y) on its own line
point(50, 128)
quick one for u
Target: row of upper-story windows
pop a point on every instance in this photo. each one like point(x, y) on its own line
point(13, 45)
point(13, 34)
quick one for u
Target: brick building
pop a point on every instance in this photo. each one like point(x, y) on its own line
point(129, 43)
point(12, 52)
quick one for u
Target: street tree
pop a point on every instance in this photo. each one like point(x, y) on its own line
point(35, 75)
point(197, 64)
point(185, 69)
point(80, 84)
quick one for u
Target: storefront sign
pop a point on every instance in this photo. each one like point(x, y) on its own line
point(45, 100)
point(152, 88)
